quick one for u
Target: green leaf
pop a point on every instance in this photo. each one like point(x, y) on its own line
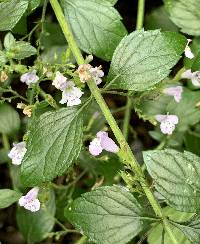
point(33, 4)
point(8, 197)
point(196, 63)
point(11, 12)
point(113, 2)
point(144, 58)
point(192, 142)
point(155, 234)
point(186, 15)
point(176, 177)
point(9, 41)
point(3, 58)
point(96, 25)
point(23, 50)
point(54, 55)
point(159, 19)
point(36, 226)
point(10, 121)
point(191, 229)
point(54, 142)
point(107, 215)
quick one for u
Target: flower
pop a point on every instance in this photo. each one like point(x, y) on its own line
point(175, 91)
point(17, 153)
point(3, 76)
point(30, 201)
point(87, 72)
point(29, 78)
point(71, 94)
point(60, 81)
point(188, 52)
point(102, 141)
point(167, 123)
point(194, 76)
point(27, 109)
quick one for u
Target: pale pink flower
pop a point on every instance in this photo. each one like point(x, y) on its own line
point(167, 123)
point(30, 201)
point(17, 152)
point(29, 78)
point(175, 91)
point(188, 52)
point(102, 141)
point(194, 76)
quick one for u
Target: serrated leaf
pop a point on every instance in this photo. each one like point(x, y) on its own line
point(55, 141)
point(9, 119)
point(107, 215)
point(144, 58)
point(23, 50)
point(191, 229)
point(8, 197)
point(176, 177)
point(33, 4)
point(113, 2)
point(36, 226)
point(11, 12)
point(186, 15)
point(96, 25)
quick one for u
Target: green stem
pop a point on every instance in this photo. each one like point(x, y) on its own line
point(5, 142)
point(82, 240)
point(140, 14)
point(125, 152)
point(139, 25)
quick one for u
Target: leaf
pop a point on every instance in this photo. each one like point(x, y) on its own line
point(33, 4)
point(11, 12)
point(159, 19)
point(54, 143)
point(107, 215)
point(54, 55)
point(96, 25)
point(4, 156)
point(10, 121)
point(192, 142)
point(144, 58)
point(23, 50)
point(113, 2)
point(3, 59)
point(9, 41)
point(176, 177)
point(196, 63)
point(36, 226)
point(155, 234)
point(8, 197)
point(191, 229)
point(186, 15)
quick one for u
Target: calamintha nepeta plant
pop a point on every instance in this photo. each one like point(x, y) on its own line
point(66, 134)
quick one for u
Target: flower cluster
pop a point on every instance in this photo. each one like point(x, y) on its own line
point(102, 142)
point(70, 93)
point(87, 72)
point(167, 123)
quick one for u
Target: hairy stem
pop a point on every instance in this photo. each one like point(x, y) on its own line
point(125, 152)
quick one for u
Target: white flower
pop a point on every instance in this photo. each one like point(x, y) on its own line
point(102, 141)
point(30, 201)
point(17, 153)
point(60, 81)
point(167, 123)
point(29, 78)
point(188, 52)
point(87, 72)
point(175, 91)
point(194, 76)
point(71, 94)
